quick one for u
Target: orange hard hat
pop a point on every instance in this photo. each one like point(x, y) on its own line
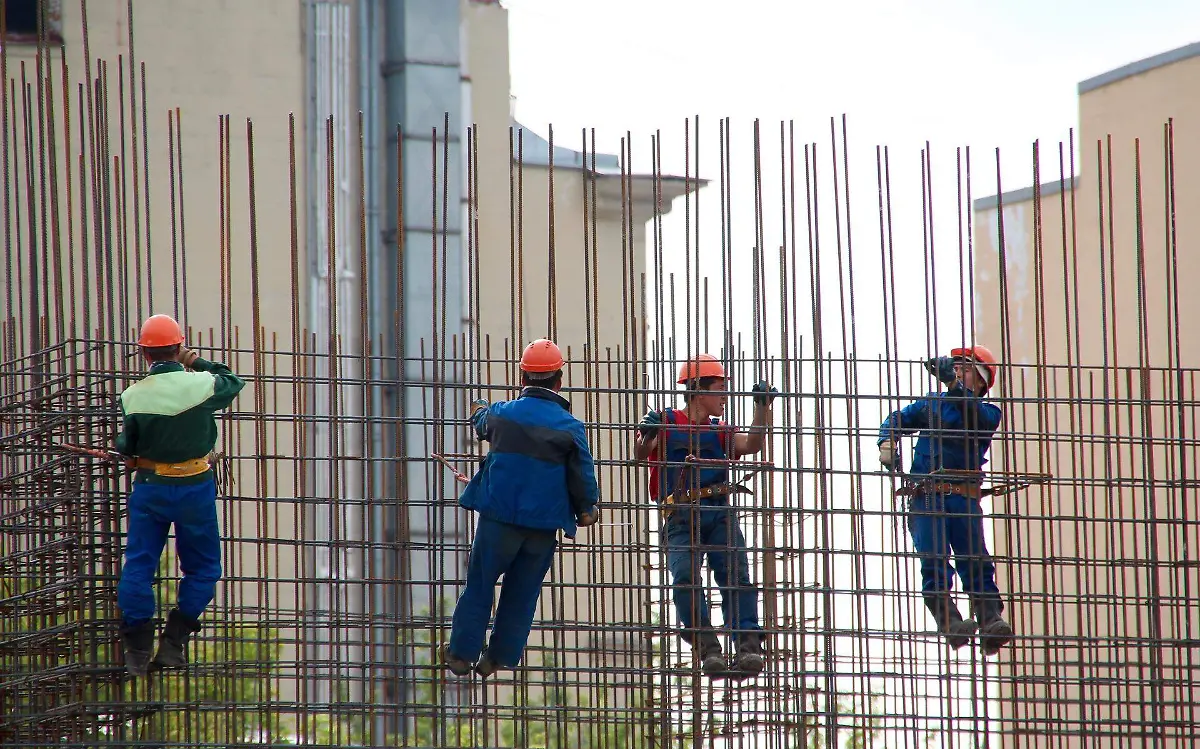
point(160, 330)
point(699, 367)
point(543, 355)
point(979, 355)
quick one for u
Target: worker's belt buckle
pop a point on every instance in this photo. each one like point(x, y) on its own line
point(692, 496)
point(183, 469)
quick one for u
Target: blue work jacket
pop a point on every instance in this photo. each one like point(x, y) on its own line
point(956, 428)
point(539, 471)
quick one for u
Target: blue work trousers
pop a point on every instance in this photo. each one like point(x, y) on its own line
point(153, 509)
point(692, 533)
point(941, 524)
point(523, 556)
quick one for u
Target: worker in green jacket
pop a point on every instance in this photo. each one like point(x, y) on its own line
point(168, 433)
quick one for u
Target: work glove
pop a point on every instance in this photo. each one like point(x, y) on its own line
point(477, 405)
point(889, 456)
point(764, 393)
point(589, 518)
point(942, 367)
point(651, 423)
point(186, 356)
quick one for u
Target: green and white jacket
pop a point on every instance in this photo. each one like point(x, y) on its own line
point(168, 415)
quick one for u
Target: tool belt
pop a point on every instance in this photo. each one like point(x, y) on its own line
point(971, 491)
point(689, 497)
point(193, 467)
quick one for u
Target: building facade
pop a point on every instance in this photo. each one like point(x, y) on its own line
point(1083, 282)
point(308, 263)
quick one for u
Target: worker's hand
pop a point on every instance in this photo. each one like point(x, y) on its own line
point(764, 393)
point(130, 461)
point(651, 423)
point(589, 518)
point(186, 356)
point(477, 405)
point(889, 455)
point(942, 368)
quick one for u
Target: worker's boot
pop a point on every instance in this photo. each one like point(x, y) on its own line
point(458, 666)
point(486, 666)
point(138, 644)
point(994, 632)
point(950, 623)
point(174, 639)
point(707, 649)
point(750, 659)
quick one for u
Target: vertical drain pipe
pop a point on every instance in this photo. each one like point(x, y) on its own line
point(421, 80)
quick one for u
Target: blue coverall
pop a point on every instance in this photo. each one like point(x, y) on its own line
point(538, 477)
point(707, 528)
point(956, 428)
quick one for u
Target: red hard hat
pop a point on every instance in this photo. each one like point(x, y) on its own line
point(699, 367)
point(159, 331)
point(979, 355)
point(543, 355)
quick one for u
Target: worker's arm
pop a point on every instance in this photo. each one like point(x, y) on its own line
point(126, 442)
point(581, 476)
point(908, 420)
point(647, 435)
point(753, 440)
point(226, 385)
point(479, 412)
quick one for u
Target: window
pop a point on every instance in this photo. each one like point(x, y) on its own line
point(21, 20)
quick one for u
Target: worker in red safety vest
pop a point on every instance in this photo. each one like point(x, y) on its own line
point(700, 521)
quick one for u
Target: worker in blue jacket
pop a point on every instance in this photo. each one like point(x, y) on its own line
point(538, 478)
point(956, 428)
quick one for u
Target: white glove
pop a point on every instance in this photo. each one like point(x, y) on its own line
point(888, 454)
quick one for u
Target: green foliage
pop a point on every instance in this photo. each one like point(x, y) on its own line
point(231, 666)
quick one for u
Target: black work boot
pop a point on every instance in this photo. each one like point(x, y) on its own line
point(994, 632)
point(458, 666)
point(138, 644)
point(174, 639)
point(707, 649)
point(950, 623)
point(487, 665)
point(750, 659)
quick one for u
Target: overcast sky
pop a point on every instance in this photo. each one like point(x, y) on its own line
point(950, 72)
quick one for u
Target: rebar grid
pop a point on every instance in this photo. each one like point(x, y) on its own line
point(344, 548)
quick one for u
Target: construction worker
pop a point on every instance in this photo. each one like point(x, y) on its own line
point(538, 478)
point(700, 520)
point(167, 434)
point(956, 428)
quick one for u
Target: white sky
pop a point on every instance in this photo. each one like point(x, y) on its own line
point(954, 72)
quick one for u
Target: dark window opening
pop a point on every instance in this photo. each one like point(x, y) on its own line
point(21, 20)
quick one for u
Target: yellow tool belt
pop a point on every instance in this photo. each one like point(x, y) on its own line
point(193, 467)
point(688, 497)
point(971, 491)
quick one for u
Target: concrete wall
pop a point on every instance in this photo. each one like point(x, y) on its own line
point(1113, 621)
point(207, 58)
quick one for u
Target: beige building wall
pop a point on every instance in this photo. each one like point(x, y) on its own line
point(1097, 591)
point(205, 59)
point(248, 61)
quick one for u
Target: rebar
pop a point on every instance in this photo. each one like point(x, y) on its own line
point(344, 548)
